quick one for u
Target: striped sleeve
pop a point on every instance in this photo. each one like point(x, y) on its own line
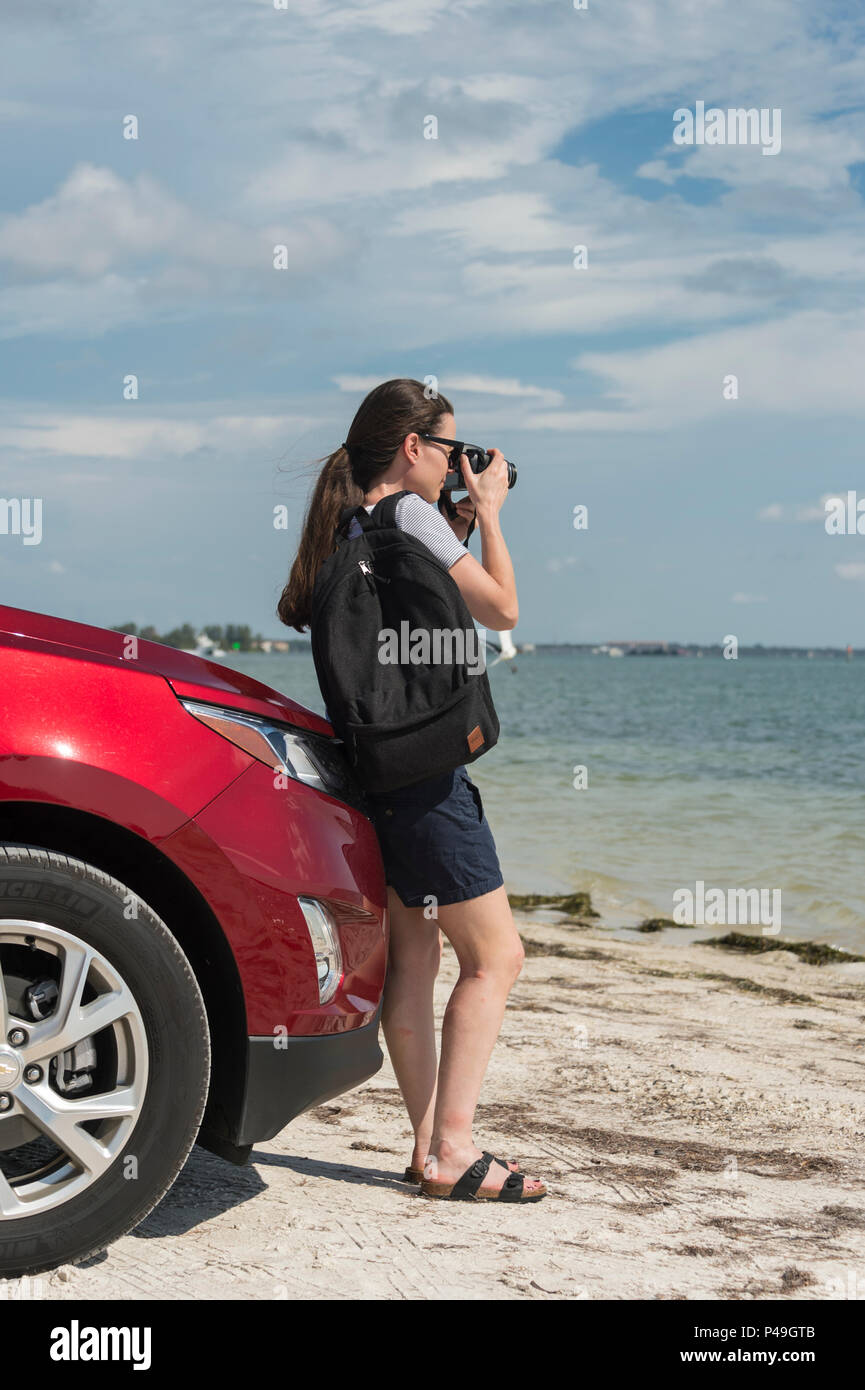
point(424, 520)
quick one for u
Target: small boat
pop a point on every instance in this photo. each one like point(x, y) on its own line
point(206, 647)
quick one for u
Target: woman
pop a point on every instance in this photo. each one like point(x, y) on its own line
point(434, 836)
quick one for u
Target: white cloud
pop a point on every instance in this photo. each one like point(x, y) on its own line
point(749, 598)
point(396, 17)
point(98, 223)
point(351, 383)
point(468, 384)
point(507, 223)
point(807, 363)
point(92, 221)
point(853, 569)
point(662, 171)
point(503, 386)
point(555, 564)
point(814, 155)
point(71, 308)
point(374, 142)
point(801, 511)
point(119, 437)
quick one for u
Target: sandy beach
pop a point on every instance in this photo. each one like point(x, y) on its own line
point(696, 1113)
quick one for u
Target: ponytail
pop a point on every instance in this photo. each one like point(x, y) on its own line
point(334, 490)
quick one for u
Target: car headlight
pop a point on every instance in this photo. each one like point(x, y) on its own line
point(310, 758)
point(325, 942)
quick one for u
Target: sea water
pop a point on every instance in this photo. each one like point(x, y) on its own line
point(734, 774)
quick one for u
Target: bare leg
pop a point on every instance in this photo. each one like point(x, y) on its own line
point(407, 1014)
point(490, 955)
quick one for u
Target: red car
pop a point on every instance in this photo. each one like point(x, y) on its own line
point(193, 927)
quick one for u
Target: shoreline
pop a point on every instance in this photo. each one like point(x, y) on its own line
point(609, 920)
point(697, 1116)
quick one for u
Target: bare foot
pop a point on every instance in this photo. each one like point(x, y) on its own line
point(420, 1154)
point(449, 1168)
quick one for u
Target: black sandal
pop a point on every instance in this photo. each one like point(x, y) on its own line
point(468, 1187)
point(415, 1175)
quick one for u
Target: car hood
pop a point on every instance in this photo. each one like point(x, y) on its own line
point(191, 677)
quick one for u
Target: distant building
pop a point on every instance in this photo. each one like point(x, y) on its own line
point(639, 648)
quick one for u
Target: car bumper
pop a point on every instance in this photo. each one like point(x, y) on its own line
point(287, 1075)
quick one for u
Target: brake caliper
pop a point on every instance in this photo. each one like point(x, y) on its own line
point(73, 1068)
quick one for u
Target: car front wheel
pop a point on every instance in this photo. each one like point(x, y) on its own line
point(104, 1059)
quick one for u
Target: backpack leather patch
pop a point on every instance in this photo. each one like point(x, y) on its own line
point(475, 738)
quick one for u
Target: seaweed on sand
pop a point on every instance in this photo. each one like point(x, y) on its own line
point(574, 905)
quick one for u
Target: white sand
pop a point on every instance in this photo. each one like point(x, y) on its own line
point(699, 1140)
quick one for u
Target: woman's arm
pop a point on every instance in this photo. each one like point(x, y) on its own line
point(489, 588)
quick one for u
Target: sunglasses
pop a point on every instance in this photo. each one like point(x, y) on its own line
point(458, 447)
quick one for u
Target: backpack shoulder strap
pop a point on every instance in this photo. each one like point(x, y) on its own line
point(382, 516)
point(384, 512)
point(359, 514)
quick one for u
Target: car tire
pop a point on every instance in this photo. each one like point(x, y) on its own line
point(80, 953)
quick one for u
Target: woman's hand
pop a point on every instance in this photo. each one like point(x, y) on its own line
point(461, 523)
point(488, 489)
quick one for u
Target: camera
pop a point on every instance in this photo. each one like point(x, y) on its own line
point(478, 459)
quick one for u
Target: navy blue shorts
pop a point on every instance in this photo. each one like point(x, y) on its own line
point(435, 840)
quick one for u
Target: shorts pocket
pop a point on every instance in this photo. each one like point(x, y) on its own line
point(477, 798)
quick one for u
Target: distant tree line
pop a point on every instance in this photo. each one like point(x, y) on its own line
point(237, 637)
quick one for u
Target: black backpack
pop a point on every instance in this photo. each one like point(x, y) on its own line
point(381, 604)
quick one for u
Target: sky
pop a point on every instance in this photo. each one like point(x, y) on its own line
point(262, 123)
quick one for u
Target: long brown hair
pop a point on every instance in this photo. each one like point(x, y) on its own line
point(384, 418)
